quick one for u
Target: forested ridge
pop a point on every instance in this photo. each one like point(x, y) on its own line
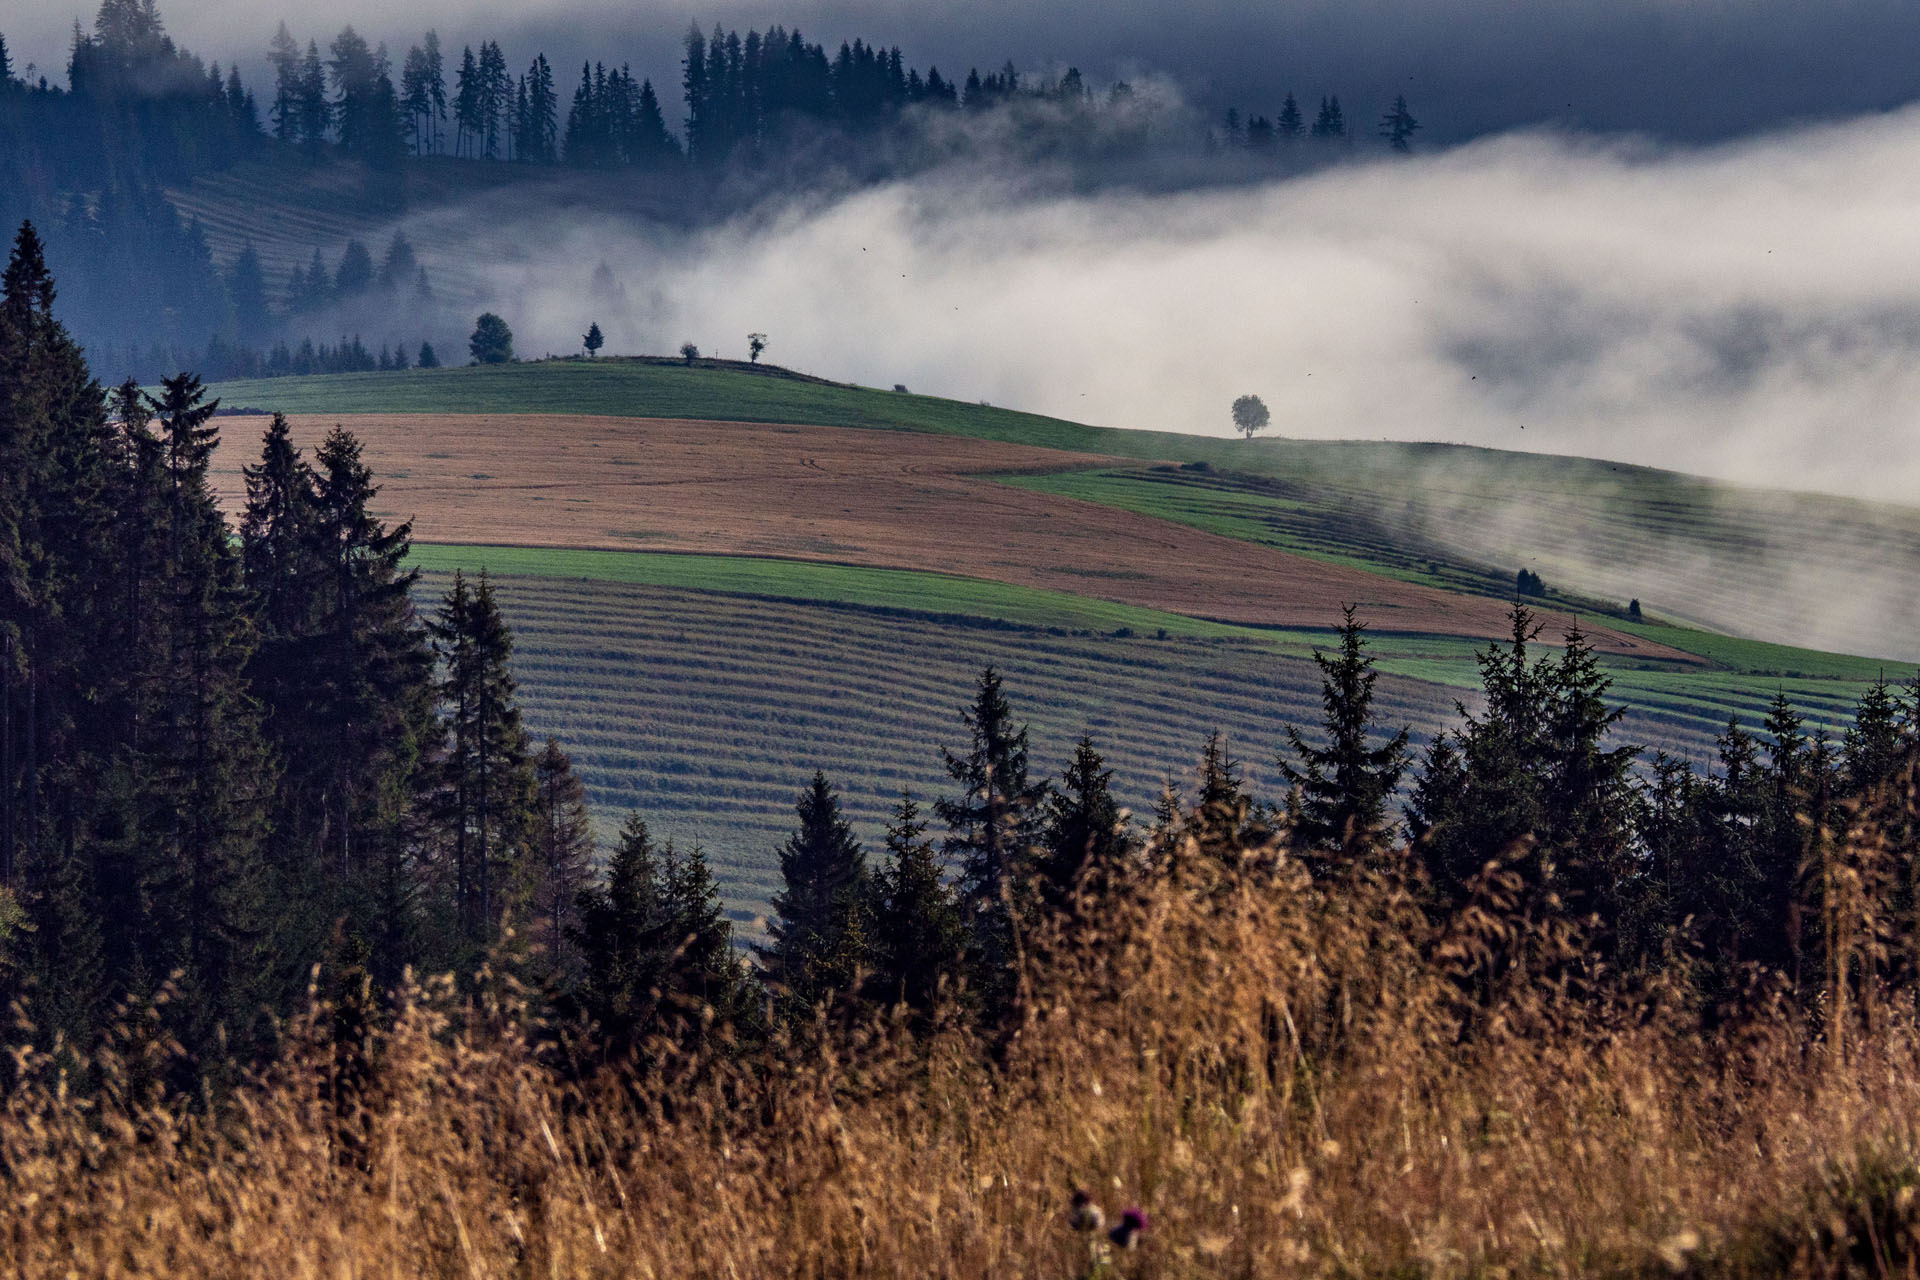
point(767, 113)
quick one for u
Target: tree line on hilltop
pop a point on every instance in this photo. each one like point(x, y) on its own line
point(90, 162)
point(233, 751)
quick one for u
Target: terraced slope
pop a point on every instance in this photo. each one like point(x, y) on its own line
point(707, 710)
point(1801, 569)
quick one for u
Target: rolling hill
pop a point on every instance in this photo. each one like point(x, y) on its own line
point(1792, 568)
point(723, 577)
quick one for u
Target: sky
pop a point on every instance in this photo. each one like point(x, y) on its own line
point(1683, 70)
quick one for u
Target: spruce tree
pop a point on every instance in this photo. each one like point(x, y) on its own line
point(469, 103)
point(278, 551)
point(563, 853)
point(918, 939)
point(709, 987)
point(315, 291)
point(1727, 891)
point(1435, 799)
point(311, 109)
point(380, 665)
point(1398, 126)
point(247, 290)
point(1083, 832)
point(992, 827)
point(1587, 792)
point(284, 57)
point(1873, 745)
point(623, 940)
point(487, 785)
point(1798, 782)
point(56, 536)
point(417, 96)
point(817, 936)
point(1289, 124)
point(1668, 821)
point(204, 773)
point(1495, 761)
point(1344, 786)
point(355, 274)
point(1221, 806)
point(399, 265)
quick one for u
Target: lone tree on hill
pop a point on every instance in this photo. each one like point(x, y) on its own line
point(689, 353)
point(756, 343)
point(492, 341)
point(594, 340)
point(1250, 415)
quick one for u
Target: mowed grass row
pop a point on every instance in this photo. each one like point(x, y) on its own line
point(1802, 569)
point(707, 711)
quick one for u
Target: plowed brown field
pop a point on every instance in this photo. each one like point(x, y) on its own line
point(883, 499)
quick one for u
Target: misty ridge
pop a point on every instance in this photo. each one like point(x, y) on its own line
point(102, 161)
point(1108, 253)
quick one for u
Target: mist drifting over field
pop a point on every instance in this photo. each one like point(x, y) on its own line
point(1749, 311)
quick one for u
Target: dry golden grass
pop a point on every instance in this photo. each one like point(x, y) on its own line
point(1286, 1077)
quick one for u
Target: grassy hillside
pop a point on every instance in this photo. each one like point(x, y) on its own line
point(703, 689)
point(1799, 569)
point(707, 708)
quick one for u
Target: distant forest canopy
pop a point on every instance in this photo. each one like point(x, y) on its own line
point(766, 112)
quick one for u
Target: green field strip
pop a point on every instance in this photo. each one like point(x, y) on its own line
point(1757, 657)
point(1261, 519)
point(911, 590)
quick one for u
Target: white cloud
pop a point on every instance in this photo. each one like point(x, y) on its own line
point(1751, 311)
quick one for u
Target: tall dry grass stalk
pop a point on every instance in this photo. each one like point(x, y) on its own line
point(1291, 1077)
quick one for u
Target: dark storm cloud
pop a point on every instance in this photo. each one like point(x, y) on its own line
point(1682, 70)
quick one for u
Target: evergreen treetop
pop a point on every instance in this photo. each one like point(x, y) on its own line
point(816, 934)
point(918, 933)
point(1344, 785)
